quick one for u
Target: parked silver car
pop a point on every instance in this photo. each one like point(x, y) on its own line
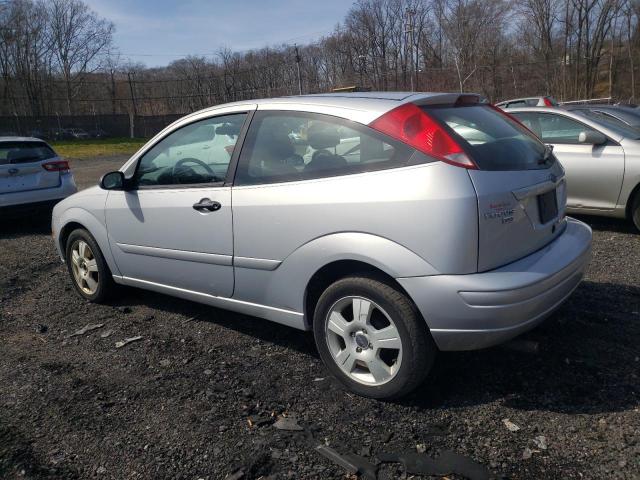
point(543, 101)
point(601, 158)
point(32, 174)
point(393, 225)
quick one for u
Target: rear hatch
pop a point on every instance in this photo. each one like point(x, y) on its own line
point(519, 183)
point(28, 165)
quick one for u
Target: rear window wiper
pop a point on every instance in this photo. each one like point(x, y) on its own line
point(548, 150)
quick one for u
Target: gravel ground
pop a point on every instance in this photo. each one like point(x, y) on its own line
point(198, 395)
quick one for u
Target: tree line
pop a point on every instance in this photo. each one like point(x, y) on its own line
point(57, 56)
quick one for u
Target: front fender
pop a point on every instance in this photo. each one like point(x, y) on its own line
point(92, 224)
point(285, 286)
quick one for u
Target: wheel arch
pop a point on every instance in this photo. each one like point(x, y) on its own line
point(65, 231)
point(630, 201)
point(74, 218)
point(336, 270)
point(333, 255)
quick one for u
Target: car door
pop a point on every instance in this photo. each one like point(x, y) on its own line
point(594, 173)
point(173, 224)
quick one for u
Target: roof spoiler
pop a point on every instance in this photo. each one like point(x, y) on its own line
point(456, 99)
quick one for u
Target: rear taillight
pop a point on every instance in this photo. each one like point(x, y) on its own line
point(411, 125)
point(57, 166)
point(547, 102)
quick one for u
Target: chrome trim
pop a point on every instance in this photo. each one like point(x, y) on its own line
point(256, 263)
point(211, 258)
point(537, 189)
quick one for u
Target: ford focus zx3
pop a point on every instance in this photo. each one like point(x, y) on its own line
point(392, 225)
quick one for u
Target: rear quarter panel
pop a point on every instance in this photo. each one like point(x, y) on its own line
point(410, 221)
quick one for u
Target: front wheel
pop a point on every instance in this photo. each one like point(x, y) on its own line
point(635, 211)
point(87, 267)
point(370, 336)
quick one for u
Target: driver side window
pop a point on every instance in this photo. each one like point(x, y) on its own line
point(198, 153)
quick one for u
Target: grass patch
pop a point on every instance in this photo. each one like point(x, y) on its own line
point(97, 147)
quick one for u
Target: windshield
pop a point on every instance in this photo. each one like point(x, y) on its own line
point(495, 141)
point(24, 152)
point(612, 123)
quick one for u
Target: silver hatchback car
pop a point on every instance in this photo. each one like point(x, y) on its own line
point(393, 225)
point(31, 174)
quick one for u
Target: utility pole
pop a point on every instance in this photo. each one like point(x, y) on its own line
point(409, 32)
point(362, 59)
point(298, 67)
point(133, 97)
point(132, 114)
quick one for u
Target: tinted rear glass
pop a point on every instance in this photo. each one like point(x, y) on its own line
point(24, 152)
point(494, 141)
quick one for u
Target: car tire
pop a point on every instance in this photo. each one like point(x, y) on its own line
point(351, 321)
point(635, 210)
point(87, 267)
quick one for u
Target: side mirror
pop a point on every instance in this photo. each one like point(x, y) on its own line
point(591, 137)
point(113, 181)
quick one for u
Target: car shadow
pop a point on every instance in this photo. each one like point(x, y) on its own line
point(259, 328)
point(16, 223)
point(619, 225)
point(587, 360)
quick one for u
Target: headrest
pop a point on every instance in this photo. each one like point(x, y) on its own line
point(322, 136)
point(275, 141)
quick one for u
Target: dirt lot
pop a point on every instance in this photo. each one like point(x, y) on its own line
point(195, 397)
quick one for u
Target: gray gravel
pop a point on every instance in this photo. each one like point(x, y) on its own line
point(197, 396)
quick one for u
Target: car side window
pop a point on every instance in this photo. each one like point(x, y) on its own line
point(198, 153)
point(518, 103)
point(291, 146)
point(552, 128)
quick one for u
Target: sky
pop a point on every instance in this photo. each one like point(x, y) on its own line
point(155, 32)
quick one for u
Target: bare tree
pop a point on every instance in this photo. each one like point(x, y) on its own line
point(56, 56)
point(78, 37)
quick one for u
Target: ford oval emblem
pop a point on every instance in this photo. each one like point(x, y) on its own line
point(553, 178)
point(13, 171)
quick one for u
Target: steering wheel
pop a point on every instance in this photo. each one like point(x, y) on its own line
point(182, 161)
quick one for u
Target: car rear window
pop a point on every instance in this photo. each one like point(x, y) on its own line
point(494, 141)
point(24, 152)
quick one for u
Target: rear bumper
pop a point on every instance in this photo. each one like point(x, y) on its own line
point(42, 196)
point(468, 312)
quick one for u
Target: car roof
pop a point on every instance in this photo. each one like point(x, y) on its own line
point(363, 107)
point(537, 97)
point(21, 139)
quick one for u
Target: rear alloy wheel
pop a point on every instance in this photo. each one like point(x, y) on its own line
point(89, 271)
point(371, 338)
point(363, 340)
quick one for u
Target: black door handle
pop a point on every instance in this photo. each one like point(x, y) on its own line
point(206, 204)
